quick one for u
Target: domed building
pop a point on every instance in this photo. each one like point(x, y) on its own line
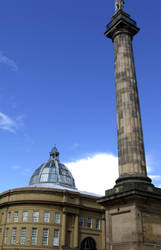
point(52, 173)
point(51, 213)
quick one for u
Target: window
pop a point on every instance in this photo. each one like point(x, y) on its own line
point(6, 236)
point(97, 224)
point(48, 174)
point(45, 237)
point(34, 236)
point(9, 217)
point(35, 217)
point(57, 218)
point(23, 236)
point(89, 223)
point(13, 238)
point(25, 216)
point(56, 237)
point(15, 216)
point(46, 216)
point(45, 174)
point(81, 221)
point(65, 176)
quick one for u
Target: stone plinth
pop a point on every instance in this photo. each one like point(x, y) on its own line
point(133, 217)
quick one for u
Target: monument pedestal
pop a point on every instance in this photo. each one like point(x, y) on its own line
point(133, 217)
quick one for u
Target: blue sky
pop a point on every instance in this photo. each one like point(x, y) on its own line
point(57, 87)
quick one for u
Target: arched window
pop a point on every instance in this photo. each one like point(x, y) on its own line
point(88, 244)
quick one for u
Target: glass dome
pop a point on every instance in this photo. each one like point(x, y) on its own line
point(52, 172)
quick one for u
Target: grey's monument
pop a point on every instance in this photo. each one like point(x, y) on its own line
point(133, 205)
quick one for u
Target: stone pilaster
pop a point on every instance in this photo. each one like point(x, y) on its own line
point(103, 232)
point(76, 231)
point(63, 233)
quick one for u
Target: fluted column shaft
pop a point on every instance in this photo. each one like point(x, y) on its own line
point(129, 128)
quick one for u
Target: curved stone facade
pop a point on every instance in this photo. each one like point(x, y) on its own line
point(46, 218)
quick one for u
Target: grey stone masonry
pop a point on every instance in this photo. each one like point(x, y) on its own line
point(129, 127)
point(133, 205)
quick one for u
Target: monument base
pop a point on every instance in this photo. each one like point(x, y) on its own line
point(133, 216)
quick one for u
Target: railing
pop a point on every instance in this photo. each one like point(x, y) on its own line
point(119, 17)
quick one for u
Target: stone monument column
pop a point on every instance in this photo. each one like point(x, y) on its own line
point(133, 205)
point(132, 164)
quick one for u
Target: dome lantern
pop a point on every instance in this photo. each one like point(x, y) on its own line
point(54, 153)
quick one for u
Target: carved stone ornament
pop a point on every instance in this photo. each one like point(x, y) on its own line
point(119, 5)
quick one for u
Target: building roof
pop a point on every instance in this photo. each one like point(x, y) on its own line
point(52, 172)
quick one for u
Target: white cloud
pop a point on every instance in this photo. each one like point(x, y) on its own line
point(95, 173)
point(6, 123)
point(9, 124)
point(11, 63)
point(99, 172)
point(152, 170)
point(155, 177)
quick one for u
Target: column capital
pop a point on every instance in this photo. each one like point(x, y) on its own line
point(121, 22)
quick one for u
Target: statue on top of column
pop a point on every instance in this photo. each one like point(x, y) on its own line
point(119, 5)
